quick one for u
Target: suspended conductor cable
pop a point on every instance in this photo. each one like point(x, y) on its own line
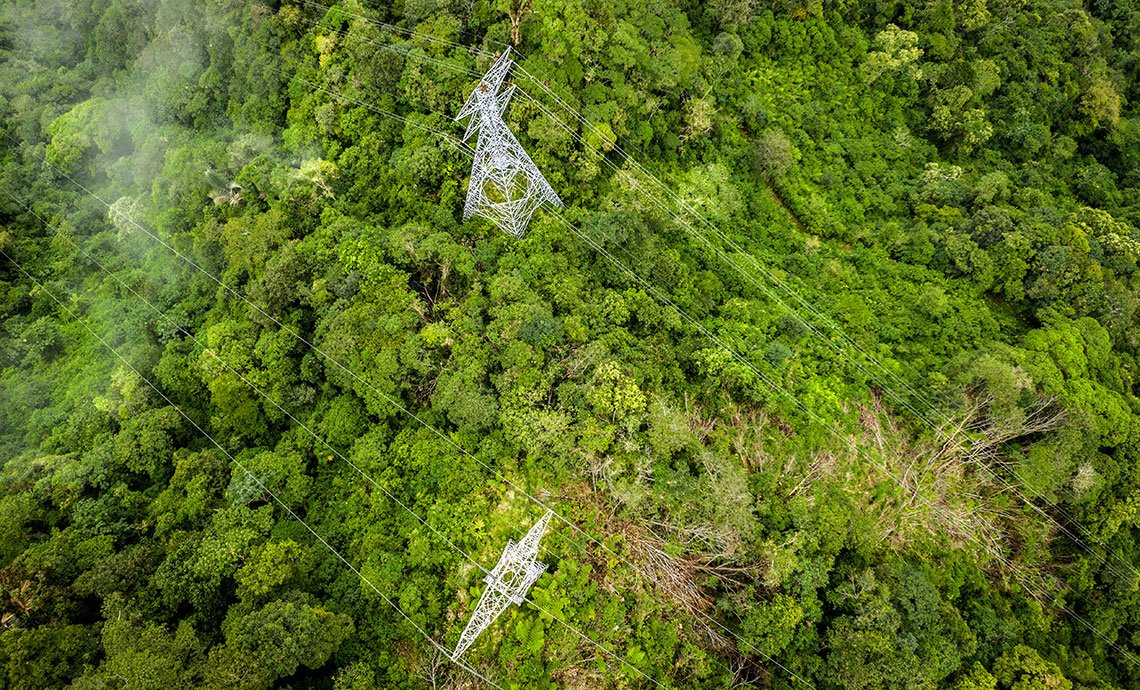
point(390, 114)
point(252, 476)
point(806, 410)
point(448, 440)
point(719, 252)
point(395, 403)
point(320, 440)
point(788, 290)
point(131, 220)
point(765, 271)
point(1077, 540)
point(249, 383)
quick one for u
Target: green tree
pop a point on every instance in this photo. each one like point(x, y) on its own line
point(274, 642)
point(896, 50)
point(45, 656)
point(273, 565)
point(143, 655)
point(775, 154)
point(1023, 669)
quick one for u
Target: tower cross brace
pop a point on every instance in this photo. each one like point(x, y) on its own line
point(506, 187)
point(507, 583)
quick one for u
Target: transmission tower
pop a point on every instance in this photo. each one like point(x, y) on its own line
point(506, 186)
point(507, 583)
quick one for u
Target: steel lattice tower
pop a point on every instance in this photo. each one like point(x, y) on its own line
point(506, 186)
point(507, 583)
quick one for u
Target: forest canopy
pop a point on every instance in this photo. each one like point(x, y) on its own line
point(826, 367)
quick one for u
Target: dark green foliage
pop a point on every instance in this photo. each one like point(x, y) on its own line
point(273, 642)
point(933, 214)
point(46, 656)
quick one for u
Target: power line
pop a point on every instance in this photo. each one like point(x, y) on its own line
point(808, 306)
point(390, 400)
point(613, 143)
point(921, 416)
point(246, 381)
point(316, 437)
point(1077, 540)
point(310, 345)
point(692, 231)
point(815, 417)
point(254, 477)
point(404, 409)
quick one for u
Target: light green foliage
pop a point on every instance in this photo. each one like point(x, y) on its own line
point(17, 512)
point(774, 623)
point(1101, 103)
point(895, 50)
point(968, 259)
point(1061, 358)
point(775, 153)
point(144, 655)
point(273, 642)
point(698, 113)
point(272, 565)
point(972, 14)
point(668, 431)
point(283, 470)
point(952, 120)
point(344, 422)
point(228, 540)
point(145, 445)
point(192, 492)
point(616, 396)
point(978, 678)
point(1024, 669)
point(74, 133)
point(45, 656)
point(356, 676)
point(946, 192)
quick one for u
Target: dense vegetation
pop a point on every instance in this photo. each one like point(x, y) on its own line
point(948, 496)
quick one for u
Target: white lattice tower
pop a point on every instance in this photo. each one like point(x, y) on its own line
point(507, 583)
point(506, 186)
